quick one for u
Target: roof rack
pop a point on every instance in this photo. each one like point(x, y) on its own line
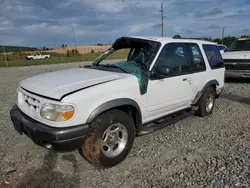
point(179, 37)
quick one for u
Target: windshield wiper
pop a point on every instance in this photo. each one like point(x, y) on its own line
point(114, 66)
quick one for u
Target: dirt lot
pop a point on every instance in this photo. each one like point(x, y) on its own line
point(196, 152)
point(60, 50)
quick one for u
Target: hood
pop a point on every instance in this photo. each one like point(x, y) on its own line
point(236, 55)
point(58, 83)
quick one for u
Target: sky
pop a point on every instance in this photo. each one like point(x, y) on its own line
point(52, 23)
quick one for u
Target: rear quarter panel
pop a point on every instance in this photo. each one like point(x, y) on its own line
point(200, 79)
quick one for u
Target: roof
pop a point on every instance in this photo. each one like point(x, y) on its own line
point(164, 40)
point(244, 38)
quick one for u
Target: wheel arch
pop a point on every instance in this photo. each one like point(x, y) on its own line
point(210, 83)
point(124, 104)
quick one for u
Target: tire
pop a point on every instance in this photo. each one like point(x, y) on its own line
point(204, 109)
point(95, 148)
point(31, 58)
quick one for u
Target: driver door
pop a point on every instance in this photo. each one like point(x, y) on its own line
point(171, 92)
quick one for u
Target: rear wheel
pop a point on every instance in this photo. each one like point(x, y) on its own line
point(206, 103)
point(110, 139)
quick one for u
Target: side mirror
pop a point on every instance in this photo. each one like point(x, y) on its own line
point(163, 70)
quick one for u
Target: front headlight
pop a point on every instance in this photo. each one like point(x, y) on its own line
point(58, 113)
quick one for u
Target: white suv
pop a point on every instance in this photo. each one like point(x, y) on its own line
point(99, 108)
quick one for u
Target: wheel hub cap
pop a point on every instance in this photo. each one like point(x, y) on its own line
point(209, 103)
point(114, 140)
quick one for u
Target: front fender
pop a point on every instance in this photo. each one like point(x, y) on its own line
point(113, 104)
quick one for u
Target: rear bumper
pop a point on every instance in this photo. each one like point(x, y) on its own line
point(237, 73)
point(60, 139)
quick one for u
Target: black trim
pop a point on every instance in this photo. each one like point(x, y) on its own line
point(114, 104)
point(62, 139)
point(42, 96)
point(200, 93)
point(67, 93)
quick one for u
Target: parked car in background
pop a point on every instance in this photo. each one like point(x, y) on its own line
point(237, 59)
point(222, 48)
point(37, 56)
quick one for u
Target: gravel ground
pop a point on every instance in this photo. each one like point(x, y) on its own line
point(196, 152)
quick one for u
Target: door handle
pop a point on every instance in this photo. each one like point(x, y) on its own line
point(184, 79)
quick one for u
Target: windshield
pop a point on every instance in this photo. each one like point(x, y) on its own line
point(140, 52)
point(139, 56)
point(240, 45)
point(103, 56)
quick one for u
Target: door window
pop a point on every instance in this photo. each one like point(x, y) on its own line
point(174, 56)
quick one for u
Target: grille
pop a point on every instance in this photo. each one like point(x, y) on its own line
point(237, 60)
point(32, 103)
point(237, 64)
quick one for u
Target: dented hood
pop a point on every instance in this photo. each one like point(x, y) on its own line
point(59, 83)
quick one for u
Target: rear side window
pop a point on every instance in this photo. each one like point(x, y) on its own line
point(221, 47)
point(213, 55)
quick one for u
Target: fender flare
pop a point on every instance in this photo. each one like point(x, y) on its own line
point(200, 93)
point(114, 104)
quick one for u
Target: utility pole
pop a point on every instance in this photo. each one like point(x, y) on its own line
point(74, 36)
point(5, 56)
point(223, 31)
point(162, 19)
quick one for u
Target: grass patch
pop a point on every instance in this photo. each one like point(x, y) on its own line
point(15, 61)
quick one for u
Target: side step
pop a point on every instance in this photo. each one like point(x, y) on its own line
point(161, 123)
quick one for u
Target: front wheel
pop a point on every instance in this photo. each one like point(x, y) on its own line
point(206, 103)
point(110, 139)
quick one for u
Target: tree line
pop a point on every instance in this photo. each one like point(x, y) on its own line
point(227, 40)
